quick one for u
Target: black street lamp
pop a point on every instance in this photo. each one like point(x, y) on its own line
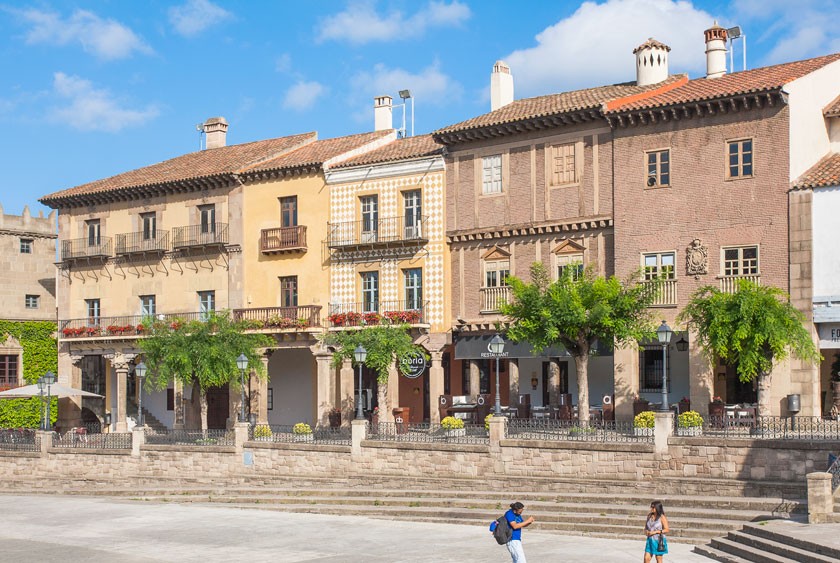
point(497, 346)
point(41, 385)
point(664, 333)
point(49, 381)
point(360, 355)
point(140, 373)
point(242, 364)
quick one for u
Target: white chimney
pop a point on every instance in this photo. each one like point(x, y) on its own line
point(715, 51)
point(215, 132)
point(501, 86)
point(651, 62)
point(382, 113)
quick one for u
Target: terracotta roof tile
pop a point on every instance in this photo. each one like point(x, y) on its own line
point(833, 109)
point(824, 173)
point(554, 104)
point(745, 82)
point(317, 153)
point(202, 164)
point(400, 149)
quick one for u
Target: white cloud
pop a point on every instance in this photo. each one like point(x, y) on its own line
point(303, 95)
point(105, 38)
point(594, 46)
point(360, 23)
point(195, 16)
point(90, 109)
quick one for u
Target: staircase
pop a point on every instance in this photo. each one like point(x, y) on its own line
point(772, 542)
point(589, 507)
point(152, 422)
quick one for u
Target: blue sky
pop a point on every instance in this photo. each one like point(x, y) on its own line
point(92, 88)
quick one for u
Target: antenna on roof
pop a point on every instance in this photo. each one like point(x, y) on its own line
point(200, 128)
point(736, 33)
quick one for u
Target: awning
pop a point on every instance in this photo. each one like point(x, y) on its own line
point(477, 346)
point(56, 390)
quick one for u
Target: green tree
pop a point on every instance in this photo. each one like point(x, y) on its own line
point(575, 311)
point(385, 344)
point(201, 353)
point(752, 328)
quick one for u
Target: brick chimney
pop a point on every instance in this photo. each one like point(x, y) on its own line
point(501, 86)
point(715, 51)
point(215, 131)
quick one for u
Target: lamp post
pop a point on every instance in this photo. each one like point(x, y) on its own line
point(360, 355)
point(497, 346)
point(41, 386)
point(49, 381)
point(242, 364)
point(140, 373)
point(664, 333)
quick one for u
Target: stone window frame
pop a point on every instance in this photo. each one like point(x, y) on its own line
point(11, 347)
point(32, 301)
point(740, 153)
point(740, 260)
point(493, 261)
point(566, 254)
point(493, 167)
point(27, 245)
point(657, 173)
point(648, 276)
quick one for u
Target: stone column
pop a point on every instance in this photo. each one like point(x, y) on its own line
point(240, 435)
point(498, 424)
point(625, 381)
point(178, 393)
point(820, 497)
point(138, 438)
point(475, 378)
point(358, 432)
point(663, 428)
point(436, 376)
point(553, 381)
point(120, 363)
point(325, 387)
point(701, 377)
point(347, 397)
point(513, 381)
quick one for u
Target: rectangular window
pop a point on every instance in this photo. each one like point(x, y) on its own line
point(491, 174)
point(207, 215)
point(563, 169)
point(572, 263)
point(92, 228)
point(740, 158)
point(742, 261)
point(170, 399)
point(659, 168)
point(650, 370)
point(26, 245)
point(93, 311)
point(149, 222)
point(289, 291)
point(659, 265)
point(270, 399)
point(288, 211)
point(148, 305)
point(413, 288)
point(32, 301)
point(206, 303)
point(465, 377)
point(370, 292)
point(496, 272)
point(8, 370)
point(413, 213)
point(370, 218)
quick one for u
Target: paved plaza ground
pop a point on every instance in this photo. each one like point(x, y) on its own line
point(99, 530)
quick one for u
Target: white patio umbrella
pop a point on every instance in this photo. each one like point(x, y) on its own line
point(56, 390)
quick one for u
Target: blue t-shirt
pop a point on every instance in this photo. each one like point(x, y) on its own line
point(511, 516)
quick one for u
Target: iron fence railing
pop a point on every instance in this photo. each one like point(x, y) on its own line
point(381, 312)
point(142, 241)
point(190, 437)
point(82, 440)
point(573, 430)
point(428, 433)
point(285, 434)
point(200, 235)
point(88, 247)
point(493, 297)
point(283, 239)
point(385, 231)
point(772, 428)
point(302, 317)
point(19, 440)
point(834, 471)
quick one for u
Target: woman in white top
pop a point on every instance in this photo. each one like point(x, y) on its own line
point(656, 527)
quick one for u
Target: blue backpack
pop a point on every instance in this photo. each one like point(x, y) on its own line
point(501, 530)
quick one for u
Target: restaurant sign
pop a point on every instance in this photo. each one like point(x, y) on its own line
point(829, 335)
point(477, 346)
point(413, 364)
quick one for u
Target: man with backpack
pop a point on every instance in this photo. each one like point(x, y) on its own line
point(507, 530)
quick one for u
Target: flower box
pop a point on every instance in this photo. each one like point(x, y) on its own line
point(304, 437)
point(690, 431)
point(643, 431)
point(456, 432)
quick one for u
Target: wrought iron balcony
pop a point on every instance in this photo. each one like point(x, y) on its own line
point(283, 239)
point(367, 314)
point(493, 297)
point(194, 236)
point(143, 242)
point(74, 249)
point(283, 318)
point(390, 231)
point(666, 292)
point(729, 284)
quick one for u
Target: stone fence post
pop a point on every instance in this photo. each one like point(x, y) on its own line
point(663, 428)
point(820, 497)
point(240, 435)
point(45, 439)
point(138, 438)
point(358, 429)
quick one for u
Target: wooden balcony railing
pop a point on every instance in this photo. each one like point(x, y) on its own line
point(493, 297)
point(286, 318)
point(73, 249)
point(366, 314)
point(383, 232)
point(142, 242)
point(729, 284)
point(666, 292)
point(283, 239)
point(214, 234)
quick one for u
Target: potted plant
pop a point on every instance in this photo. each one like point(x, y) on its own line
point(643, 424)
point(487, 421)
point(453, 426)
point(262, 433)
point(302, 432)
point(689, 423)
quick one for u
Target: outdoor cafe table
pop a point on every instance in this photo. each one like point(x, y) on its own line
point(469, 408)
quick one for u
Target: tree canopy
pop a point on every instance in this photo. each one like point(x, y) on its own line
point(384, 344)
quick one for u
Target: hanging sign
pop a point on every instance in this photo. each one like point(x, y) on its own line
point(413, 365)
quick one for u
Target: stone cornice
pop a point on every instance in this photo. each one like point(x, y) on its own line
point(531, 229)
point(25, 233)
point(385, 169)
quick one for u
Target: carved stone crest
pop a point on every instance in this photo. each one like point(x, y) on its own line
point(696, 259)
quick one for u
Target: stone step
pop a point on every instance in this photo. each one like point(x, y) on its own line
point(718, 555)
point(778, 546)
point(748, 552)
point(792, 539)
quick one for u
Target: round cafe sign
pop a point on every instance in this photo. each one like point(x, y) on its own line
point(413, 365)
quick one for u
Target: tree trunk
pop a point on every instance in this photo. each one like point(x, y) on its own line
point(202, 398)
point(763, 381)
point(582, 368)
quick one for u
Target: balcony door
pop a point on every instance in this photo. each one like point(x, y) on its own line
point(370, 292)
point(370, 218)
point(207, 215)
point(93, 232)
point(288, 211)
point(413, 289)
point(413, 212)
